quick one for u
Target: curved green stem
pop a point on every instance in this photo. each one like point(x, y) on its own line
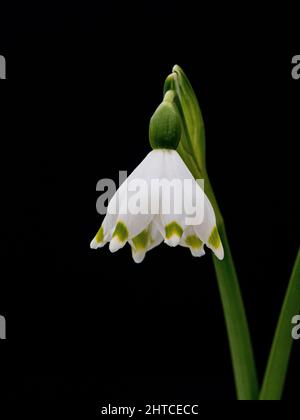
point(235, 316)
point(192, 150)
point(282, 345)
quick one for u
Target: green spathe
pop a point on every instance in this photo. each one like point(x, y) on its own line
point(192, 144)
point(165, 127)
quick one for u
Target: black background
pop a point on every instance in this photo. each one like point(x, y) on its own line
point(83, 82)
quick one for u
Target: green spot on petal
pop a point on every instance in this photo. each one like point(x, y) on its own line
point(214, 240)
point(100, 235)
point(173, 228)
point(193, 241)
point(140, 242)
point(121, 232)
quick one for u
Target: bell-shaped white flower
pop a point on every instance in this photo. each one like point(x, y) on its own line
point(150, 224)
point(145, 231)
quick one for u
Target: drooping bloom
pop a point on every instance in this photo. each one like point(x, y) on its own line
point(151, 224)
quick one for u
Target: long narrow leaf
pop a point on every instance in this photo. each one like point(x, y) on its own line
point(282, 345)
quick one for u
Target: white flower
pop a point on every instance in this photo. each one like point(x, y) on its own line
point(145, 230)
point(170, 216)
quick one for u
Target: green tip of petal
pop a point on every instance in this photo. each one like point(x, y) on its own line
point(100, 235)
point(121, 232)
point(193, 242)
point(172, 229)
point(214, 240)
point(140, 242)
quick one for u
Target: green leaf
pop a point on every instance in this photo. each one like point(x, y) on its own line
point(282, 345)
point(237, 326)
point(192, 145)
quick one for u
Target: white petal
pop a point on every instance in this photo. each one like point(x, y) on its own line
point(138, 256)
point(135, 224)
point(205, 228)
point(172, 217)
point(208, 232)
point(156, 237)
point(145, 241)
point(219, 252)
point(197, 252)
point(119, 237)
point(148, 169)
point(139, 245)
point(183, 204)
point(94, 244)
point(193, 242)
point(105, 232)
point(118, 211)
point(132, 201)
point(116, 244)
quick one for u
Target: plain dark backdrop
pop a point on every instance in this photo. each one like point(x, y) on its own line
point(83, 82)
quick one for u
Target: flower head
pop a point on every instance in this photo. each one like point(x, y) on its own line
point(169, 206)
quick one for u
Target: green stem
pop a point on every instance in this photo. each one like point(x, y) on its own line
point(235, 317)
point(282, 345)
point(192, 149)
